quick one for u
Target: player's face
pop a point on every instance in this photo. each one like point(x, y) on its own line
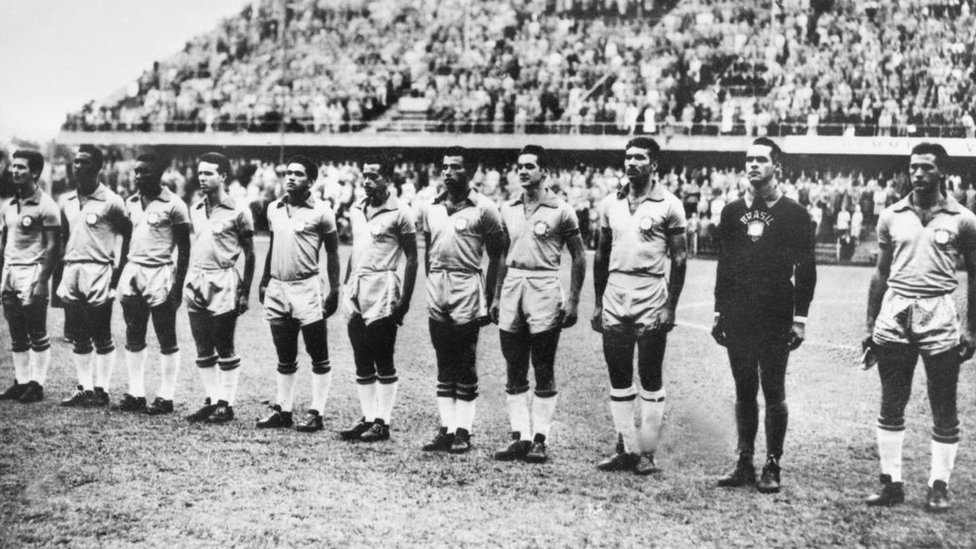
point(296, 179)
point(454, 172)
point(529, 172)
point(924, 172)
point(374, 183)
point(84, 167)
point(759, 165)
point(638, 164)
point(147, 177)
point(20, 172)
point(210, 178)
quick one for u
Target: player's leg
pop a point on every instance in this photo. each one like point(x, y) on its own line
point(382, 337)
point(543, 346)
point(202, 330)
point(466, 392)
point(284, 333)
point(40, 353)
point(164, 324)
point(744, 363)
point(20, 345)
point(773, 359)
point(651, 346)
point(896, 368)
point(447, 351)
point(618, 352)
point(317, 346)
point(136, 314)
point(366, 379)
point(942, 371)
point(223, 328)
point(516, 348)
point(82, 355)
point(101, 318)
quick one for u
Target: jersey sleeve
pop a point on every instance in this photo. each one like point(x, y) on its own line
point(118, 214)
point(180, 214)
point(327, 220)
point(675, 222)
point(967, 232)
point(422, 225)
point(884, 231)
point(603, 210)
point(245, 222)
point(50, 215)
point(568, 222)
point(406, 224)
point(491, 220)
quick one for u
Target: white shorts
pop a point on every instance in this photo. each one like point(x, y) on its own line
point(18, 283)
point(86, 282)
point(929, 324)
point(455, 296)
point(301, 300)
point(371, 295)
point(211, 291)
point(530, 300)
point(147, 284)
point(632, 304)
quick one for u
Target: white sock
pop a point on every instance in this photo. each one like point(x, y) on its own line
point(210, 377)
point(22, 367)
point(321, 384)
point(519, 415)
point(446, 407)
point(135, 365)
point(464, 414)
point(543, 411)
point(228, 381)
point(889, 450)
point(286, 391)
point(943, 460)
point(104, 366)
point(83, 367)
point(622, 412)
point(367, 400)
point(652, 405)
point(169, 372)
point(40, 363)
point(386, 397)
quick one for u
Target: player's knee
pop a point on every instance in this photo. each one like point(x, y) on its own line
point(446, 389)
point(892, 423)
point(135, 345)
point(466, 392)
point(20, 344)
point(320, 367)
point(169, 347)
point(946, 433)
point(387, 380)
point(366, 379)
point(287, 368)
point(517, 388)
point(40, 342)
point(104, 346)
point(777, 409)
point(229, 363)
point(546, 390)
point(206, 361)
point(82, 345)
point(385, 366)
point(225, 350)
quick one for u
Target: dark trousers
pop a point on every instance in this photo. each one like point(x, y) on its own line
point(519, 348)
point(284, 332)
point(456, 348)
point(760, 362)
point(372, 347)
point(137, 314)
point(28, 325)
point(897, 368)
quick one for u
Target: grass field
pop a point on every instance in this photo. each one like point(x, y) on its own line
point(94, 478)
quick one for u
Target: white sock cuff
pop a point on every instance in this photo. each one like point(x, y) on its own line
point(628, 393)
point(653, 396)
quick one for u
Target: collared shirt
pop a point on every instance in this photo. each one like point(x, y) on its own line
point(376, 234)
point(536, 237)
point(924, 256)
point(217, 236)
point(152, 241)
point(94, 222)
point(25, 222)
point(640, 239)
point(457, 240)
point(298, 230)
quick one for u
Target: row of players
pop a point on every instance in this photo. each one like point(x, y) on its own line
point(765, 284)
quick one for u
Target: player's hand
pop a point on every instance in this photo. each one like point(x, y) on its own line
point(56, 301)
point(868, 355)
point(242, 303)
point(665, 320)
point(331, 303)
point(38, 292)
point(482, 321)
point(175, 298)
point(718, 331)
point(494, 312)
point(262, 289)
point(596, 321)
point(568, 316)
point(967, 346)
point(798, 332)
point(400, 309)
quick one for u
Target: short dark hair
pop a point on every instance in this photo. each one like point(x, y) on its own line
point(385, 163)
point(645, 143)
point(221, 161)
point(35, 160)
point(153, 159)
point(540, 153)
point(775, 153)
point(936, 150)
point(463, 153)
point(95, 153)
point(311, 170)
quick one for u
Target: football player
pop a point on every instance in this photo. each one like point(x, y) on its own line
point(292, 293)
point(383, 236)
point(28, 253)
point(94, 218)
point(529, 307)
point(459, 227)
point(214, 293)
point(639, 272)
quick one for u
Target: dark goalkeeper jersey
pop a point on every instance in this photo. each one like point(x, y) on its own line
point(762, 250)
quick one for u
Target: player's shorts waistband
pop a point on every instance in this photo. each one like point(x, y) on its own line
point(637, 274)
point(22, 264)
point(87, 261)
point(297, 278)
point(152, 265)
point(531, 273)
point(905, 295)
point(462, 271)
point(211, 269)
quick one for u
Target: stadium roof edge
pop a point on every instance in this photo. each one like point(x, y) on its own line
point(809, 145)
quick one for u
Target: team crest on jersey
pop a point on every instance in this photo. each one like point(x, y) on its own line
point(375, 231)
point(541, 228)
point(460, 224)
point(646, 224)
point(217, 227)
point(26, 221)
point(756, 223)
point(943, 238)
point(299, 227)
point(152, 218)
point(91, 219)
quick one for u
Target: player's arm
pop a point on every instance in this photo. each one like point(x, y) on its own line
point(968, 338)
point(601, 272)
point(58, 272)
point(331, 242)
point(124, 227)
point(266, 277)
point(879, 285)
point(678, 251)
point(3, 246)
point(426, 253)
point(181, 234)
point(52, 244)
point(577, 274)
point(494, 243)
point(244, 293)
point(495, 308)
point(723, 279)
point(408, 242)
point(805, 278)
